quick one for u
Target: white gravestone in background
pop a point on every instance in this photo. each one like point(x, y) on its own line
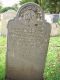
point(27, 44)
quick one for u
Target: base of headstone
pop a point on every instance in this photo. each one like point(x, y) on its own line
point(16, 79)
point(6, 78)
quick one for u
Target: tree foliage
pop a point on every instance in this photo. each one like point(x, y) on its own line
point(0, 5)
point(2, 10)
point(52, 6)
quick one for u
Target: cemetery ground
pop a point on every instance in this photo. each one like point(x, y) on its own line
point(52, 68)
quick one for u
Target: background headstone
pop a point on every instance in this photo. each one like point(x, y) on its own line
point(5, 17)
point(27, 44)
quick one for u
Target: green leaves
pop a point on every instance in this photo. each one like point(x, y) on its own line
point(2, 10)
point(52, 6)
point(24, 1)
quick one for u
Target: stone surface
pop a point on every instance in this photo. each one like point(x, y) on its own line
point(55, 29)
point(27, 44)
point(5, 17)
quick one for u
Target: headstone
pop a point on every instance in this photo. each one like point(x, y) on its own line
point(27, 44)
point(5, 17)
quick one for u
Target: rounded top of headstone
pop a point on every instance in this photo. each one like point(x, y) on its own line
point(32, 7)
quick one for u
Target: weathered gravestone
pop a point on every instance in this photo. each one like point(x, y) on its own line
point(27, 44)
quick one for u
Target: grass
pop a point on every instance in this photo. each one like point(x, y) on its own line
point(2, 57)
point(52, 68)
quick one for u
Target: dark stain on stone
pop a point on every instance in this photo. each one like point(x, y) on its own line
point(36, 24)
